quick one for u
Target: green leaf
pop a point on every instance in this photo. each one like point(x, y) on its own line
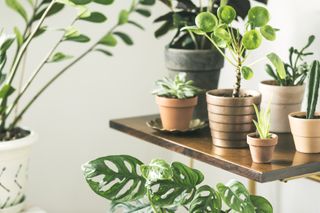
point(251, 40)
point(143, 12)
point(56, 8)
point(226, 14)
point(156, 170)
point(115, 178)
point(104, 2)
point(268, 32)
point(59, 56)
point(81, 2)
point(206, 200)
point(79, 38)
point(247, 72)
point(193, 29)
point(40, 31)
point(18, 36)
point(147, 2)
point(125, 38)
point(5, 42)
point(222, 34)
point(278, 64)
point(206, 21)
point(258, 16)
point(261, 204)
point(17, 6)
point(219, 42)
point(6, 91)
point(136, 24)
point(108, 40)
point(106, 52)
point(71, 32)
point(236, 196)
point(163, 29)
point(95, 17)
point(123, 17)
point(83, 11)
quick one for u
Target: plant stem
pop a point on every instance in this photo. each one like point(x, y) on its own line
point(237, 85)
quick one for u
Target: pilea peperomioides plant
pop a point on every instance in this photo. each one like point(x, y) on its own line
point(160, 187)
point(34, 14)
point(219, 30)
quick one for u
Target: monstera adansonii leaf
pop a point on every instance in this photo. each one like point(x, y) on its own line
point(115, 178)
point(236, 196)
point(206, 200)
point(180, 189)
point(261, 204)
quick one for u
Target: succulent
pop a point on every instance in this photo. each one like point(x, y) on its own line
point(263, 122)
point(296, 70)
point(178, 87)
point(313, 93)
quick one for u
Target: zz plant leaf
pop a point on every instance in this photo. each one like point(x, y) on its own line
point(95, 17)
point(125, 37)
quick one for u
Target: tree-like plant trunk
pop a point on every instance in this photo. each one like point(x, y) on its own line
point(237, 85)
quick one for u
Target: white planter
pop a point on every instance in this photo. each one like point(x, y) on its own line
point(284, 100)
point(14, 158)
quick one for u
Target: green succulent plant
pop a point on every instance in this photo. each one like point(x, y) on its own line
point(160, 187)
point(263, 122)
point(313, 92)
point(179, 87)
point(219, 30)
point(296, 70)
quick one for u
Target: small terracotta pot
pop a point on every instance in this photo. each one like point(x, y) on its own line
point(284, 100)
point(176, 114)
point(261, 149)
point(231, 118)
point(306, 132)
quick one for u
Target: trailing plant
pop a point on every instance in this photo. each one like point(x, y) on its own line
point(35, 13)
point(263, 122)
point(313, 93)
point(160, 187)
point(183, 12)
point(219, 30)
point(297, 69)
point(178, 87)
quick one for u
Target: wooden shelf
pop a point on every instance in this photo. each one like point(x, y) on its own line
point(287, 163)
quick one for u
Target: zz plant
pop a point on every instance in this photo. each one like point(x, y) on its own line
point(313, 93)
point(222, 33)
point(34, 14)
point(160, 187)
point(178, 87)
point(297, 69)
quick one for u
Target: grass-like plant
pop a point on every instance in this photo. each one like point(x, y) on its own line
point(179, 87)
point(313, 92)
point(222, 33)
point(34, 14)
point(159, 187)
point(263, 122)
point(297, 69)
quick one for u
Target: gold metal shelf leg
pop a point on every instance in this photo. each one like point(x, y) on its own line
point(191, 162)
point(252, 187)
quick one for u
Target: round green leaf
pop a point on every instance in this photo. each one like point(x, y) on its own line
point(247, 72)
point(206, 21)
point(219, 42)
point(251, 40)
point(227, 14)
point(258, 16)
point(222, 34)
point(268, 32)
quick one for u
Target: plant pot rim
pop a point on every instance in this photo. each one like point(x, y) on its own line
point(253, 93)
point(163, 97)
point(269, 83)
point(19, 143)
point(167, 48)
point(294, 114)
point(176, 103)
point(254, 141)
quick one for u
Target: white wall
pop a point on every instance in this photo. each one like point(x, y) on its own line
point(72, 117)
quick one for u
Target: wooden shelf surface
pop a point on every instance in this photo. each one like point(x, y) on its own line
point(286, 164)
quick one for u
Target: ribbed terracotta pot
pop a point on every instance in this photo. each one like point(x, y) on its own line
point(201, 66)
point(306, 132)
point(230, 118)
point(176, 114)
point(261, 149)
point(284, 100)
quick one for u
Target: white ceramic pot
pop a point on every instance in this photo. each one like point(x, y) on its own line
point(284, 100)
point(14, 158)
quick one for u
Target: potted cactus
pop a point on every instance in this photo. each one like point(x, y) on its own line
point(191, 53)
point(305, 126)
point(160, 187)
point(286, 91)
point(262, 143)
point(231, 110)
point(177, 99)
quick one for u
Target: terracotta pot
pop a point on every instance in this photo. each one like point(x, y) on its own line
point(261, 149)
point(176, 114)
point(231, 118)
point(201, 66)
point(306, 132)
point(284, 100)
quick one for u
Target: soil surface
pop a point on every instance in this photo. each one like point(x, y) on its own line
point(14, 134)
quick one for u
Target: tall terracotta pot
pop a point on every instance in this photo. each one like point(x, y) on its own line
point(201, 66)
point(231, 118)
point(284, 100)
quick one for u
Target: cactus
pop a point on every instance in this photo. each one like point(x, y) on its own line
point(314, 80)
